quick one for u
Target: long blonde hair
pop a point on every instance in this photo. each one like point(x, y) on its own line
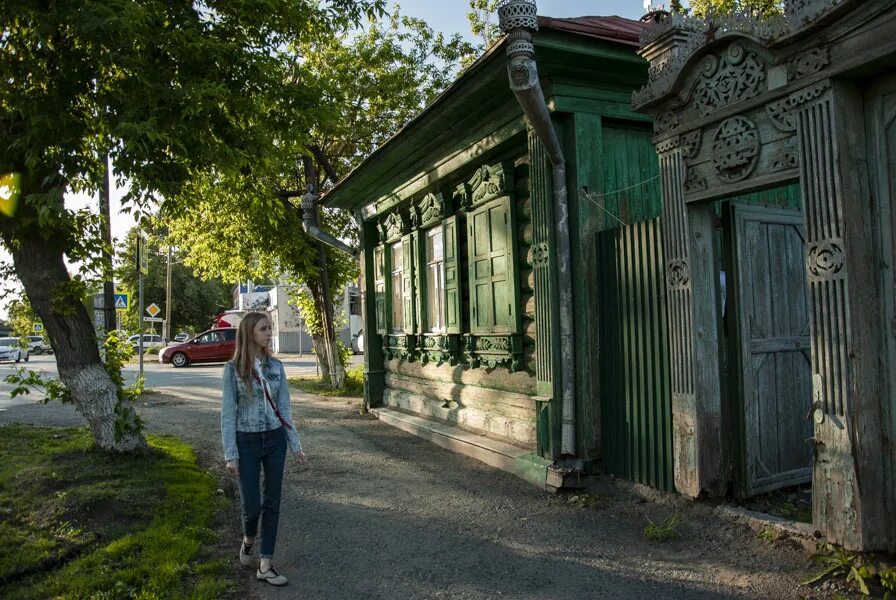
point(244, 355)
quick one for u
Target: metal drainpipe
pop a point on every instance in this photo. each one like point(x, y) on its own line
point(518, 19)
point(309, 224)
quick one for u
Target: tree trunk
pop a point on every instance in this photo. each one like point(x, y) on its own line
point(322, 356)
point(320, 307)
point(57, 301)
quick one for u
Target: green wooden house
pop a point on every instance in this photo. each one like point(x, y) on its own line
point(460, 266)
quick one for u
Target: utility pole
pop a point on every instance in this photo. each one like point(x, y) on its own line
point(108, 275)
point(166, 334)
point(142, 264)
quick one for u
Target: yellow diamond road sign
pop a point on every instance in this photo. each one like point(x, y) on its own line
point(153, 309)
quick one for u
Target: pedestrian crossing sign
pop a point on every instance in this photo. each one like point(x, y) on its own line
point(122, 301)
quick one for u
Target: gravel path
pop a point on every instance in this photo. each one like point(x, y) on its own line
point(379, 513)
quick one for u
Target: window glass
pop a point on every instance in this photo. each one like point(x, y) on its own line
point(435, 280)
point(230, 334)
point(397, 290)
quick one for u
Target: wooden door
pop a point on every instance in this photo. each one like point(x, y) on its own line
point(771, 311)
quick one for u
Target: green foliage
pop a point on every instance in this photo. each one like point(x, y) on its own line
point(22, 317)
point(195, 301)
point(78, 523)
point(583, 500)
point(888, 580)
point(841, 563)
point(768, 533)
point(483, 21)
point(663, 532)
point(764, 8)
point(353, 386)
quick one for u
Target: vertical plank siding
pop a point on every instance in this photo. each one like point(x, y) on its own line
point(636, 396)
point(636, 406)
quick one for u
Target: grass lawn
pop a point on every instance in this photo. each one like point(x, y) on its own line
point(77, 522)
point(354, 384)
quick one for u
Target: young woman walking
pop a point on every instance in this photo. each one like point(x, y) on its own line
point(256, 428)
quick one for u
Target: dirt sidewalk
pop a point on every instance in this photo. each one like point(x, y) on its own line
point(378, 513)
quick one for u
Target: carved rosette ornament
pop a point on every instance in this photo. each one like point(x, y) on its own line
point(735, 76)
point(678, 274)
point(735, 149)
point(538, 255)
point(826, 260)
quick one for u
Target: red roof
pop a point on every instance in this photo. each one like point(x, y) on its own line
point(614, 29)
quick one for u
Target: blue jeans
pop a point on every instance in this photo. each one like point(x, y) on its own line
point(263, 450)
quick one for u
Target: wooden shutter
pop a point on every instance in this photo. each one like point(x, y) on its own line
point(379, 268)
point(490, 240)
point(452, 275)
point(407, 282)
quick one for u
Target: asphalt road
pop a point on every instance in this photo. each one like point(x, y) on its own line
point(202, 382)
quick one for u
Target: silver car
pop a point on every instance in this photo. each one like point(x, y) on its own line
point(11, 349)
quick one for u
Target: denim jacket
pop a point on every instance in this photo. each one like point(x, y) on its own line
point(244, 413)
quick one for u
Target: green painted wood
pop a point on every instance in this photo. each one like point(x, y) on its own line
point(547, 326)
point(408, 292)
point(453, 306)
point(490, 240)
point(584, 132)
point(636, 405)
point(374, 312)
point(379, 279)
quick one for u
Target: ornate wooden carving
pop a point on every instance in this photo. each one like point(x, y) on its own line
point(431, 209)
point(439, 349)
point(538, 256)
point(401, 346)
point(665, 122)
point(788, 156)
point(488, 182)
point(808, 63)
point(735, 149)
point(735, 76)
point(690, 143)
point(803, 12)
point(393, 227)
point(826, 260)
point(494, 350)
point(781, 115)
point(694, 182)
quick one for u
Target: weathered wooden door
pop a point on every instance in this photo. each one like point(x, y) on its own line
point(774, 360)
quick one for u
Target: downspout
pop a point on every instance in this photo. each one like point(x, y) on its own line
point(519, 19)
point(309, 224)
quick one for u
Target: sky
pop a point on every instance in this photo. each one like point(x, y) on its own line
point(447, 16)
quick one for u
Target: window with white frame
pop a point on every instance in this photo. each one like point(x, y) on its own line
point(435, 280)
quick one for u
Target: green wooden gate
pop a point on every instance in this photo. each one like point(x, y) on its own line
point(635, 395)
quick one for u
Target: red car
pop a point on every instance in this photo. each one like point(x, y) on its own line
point(214, 345)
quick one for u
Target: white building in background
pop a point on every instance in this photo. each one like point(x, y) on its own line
point(290, 334)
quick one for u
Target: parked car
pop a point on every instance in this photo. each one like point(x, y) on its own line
point(358, 342)
point(149, 342)
point(214, 345)
point(181, 337)
point(11, 349)
point(37, 345)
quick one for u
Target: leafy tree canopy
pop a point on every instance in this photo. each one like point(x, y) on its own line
point(720, 7)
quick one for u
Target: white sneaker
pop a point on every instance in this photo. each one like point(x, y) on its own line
point(246, 555)
point(271, 576)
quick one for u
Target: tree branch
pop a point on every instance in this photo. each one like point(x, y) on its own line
point(324, 161)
